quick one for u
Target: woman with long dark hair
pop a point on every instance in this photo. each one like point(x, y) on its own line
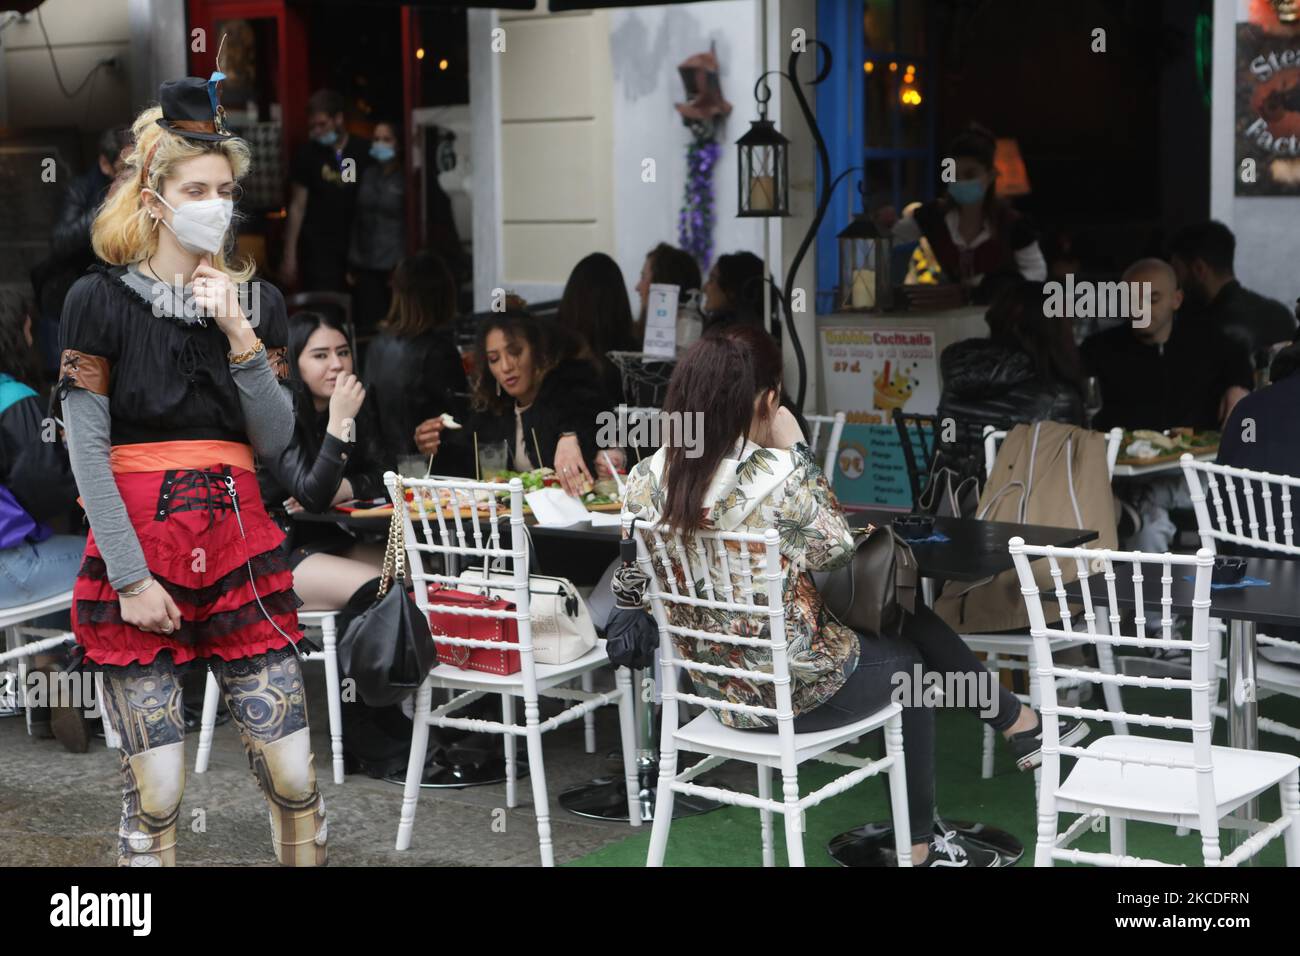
point(753, 471)
point(595, 309)
point(543, 406)
point(733, 291)
point(169, 389)
point(414, 373)
point(328, 461)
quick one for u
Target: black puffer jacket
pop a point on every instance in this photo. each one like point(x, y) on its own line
point(986, 380)
point(988, 383)
point(570, 399)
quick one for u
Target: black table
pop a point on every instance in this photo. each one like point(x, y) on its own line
point(1244, 608)
point(975, 550)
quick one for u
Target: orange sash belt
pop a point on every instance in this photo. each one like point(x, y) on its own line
point(167, 455)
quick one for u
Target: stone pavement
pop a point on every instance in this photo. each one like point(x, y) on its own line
point(62, 809)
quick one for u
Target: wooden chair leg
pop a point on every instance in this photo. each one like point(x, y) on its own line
point(765, 816)
point(627, 740)
point(589, 718)
point(512, 761)
point(898, 791)
point(211, 695)
point(333, 693)
point(415, 764)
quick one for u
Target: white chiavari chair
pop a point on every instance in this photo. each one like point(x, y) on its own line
point(1176, 782)
point(708, 567)
point(1239, 519)
point(1014, 652)
point(326, 623)
point(461, 541)
point(836, 423)
point(19, 646)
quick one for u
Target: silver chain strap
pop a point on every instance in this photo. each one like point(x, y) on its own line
point(395, 550)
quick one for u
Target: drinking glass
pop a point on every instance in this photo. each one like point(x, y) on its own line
point(493, 459)
point(1091, 398)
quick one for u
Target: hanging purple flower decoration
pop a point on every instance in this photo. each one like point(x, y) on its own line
point(696, 219)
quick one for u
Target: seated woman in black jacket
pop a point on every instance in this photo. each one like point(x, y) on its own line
point(414, 372)
point(1027, 370)
point(543, 406)
point(327, 462)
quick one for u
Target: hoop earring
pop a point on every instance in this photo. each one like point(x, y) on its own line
point(498, 388)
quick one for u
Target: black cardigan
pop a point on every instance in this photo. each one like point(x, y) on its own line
point(570, 399)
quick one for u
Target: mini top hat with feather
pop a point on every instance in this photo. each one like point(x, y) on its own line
point(190, 109)
point(192, 106)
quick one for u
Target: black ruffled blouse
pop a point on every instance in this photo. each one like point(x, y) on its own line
point(167, 377)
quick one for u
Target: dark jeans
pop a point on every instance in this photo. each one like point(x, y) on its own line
point(887, 667)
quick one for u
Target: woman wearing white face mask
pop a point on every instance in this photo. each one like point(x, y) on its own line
point(378, 239)
point(170, 370)
point(975, 236)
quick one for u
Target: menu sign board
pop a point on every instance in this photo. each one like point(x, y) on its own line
point(868, 373)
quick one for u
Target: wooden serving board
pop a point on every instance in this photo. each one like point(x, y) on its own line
point(386, 511)
point(1168, 456)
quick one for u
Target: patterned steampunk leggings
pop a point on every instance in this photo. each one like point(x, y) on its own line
point(265, 696)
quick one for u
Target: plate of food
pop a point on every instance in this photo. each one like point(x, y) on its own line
point(1146, 447)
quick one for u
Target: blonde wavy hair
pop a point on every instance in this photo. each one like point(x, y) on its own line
point(123, 231)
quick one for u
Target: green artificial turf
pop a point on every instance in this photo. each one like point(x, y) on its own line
point(730, 836)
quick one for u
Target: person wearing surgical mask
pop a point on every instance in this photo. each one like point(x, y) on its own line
point(379, 230)
point(326, 174)
point(171, 395)
point(977, 238)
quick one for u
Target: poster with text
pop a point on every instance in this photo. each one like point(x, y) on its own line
point(1267, 103)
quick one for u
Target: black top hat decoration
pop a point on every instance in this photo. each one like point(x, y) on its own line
point(192, 106)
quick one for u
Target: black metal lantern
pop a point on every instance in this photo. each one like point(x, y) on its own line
point(866, 256)
point(763, 162)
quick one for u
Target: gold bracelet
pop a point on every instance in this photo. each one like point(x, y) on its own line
point(245, 356)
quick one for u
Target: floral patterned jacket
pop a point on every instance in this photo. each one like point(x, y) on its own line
point(757, 489)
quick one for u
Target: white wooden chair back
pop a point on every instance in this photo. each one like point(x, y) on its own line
point(466, 537)
point(1108, 564)
point(700, 576)
point(1242, 519)
point(836, 421)
point(993, 438)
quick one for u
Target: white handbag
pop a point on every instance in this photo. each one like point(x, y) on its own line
point(561, 624)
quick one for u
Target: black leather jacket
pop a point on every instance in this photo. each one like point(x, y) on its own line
point(313, 466)
point(569, 400)
point(410, 380)
point(983, 379)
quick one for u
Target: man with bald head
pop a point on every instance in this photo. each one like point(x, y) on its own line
point(1158, 371)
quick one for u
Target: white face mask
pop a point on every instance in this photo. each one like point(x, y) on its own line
point(200, 226)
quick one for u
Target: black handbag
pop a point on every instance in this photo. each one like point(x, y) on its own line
point(875, 593)
point(388, 649)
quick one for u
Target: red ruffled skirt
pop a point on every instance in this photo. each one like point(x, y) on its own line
point(194, 549)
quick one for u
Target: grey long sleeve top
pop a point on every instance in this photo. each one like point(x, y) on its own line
point(265, 404)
